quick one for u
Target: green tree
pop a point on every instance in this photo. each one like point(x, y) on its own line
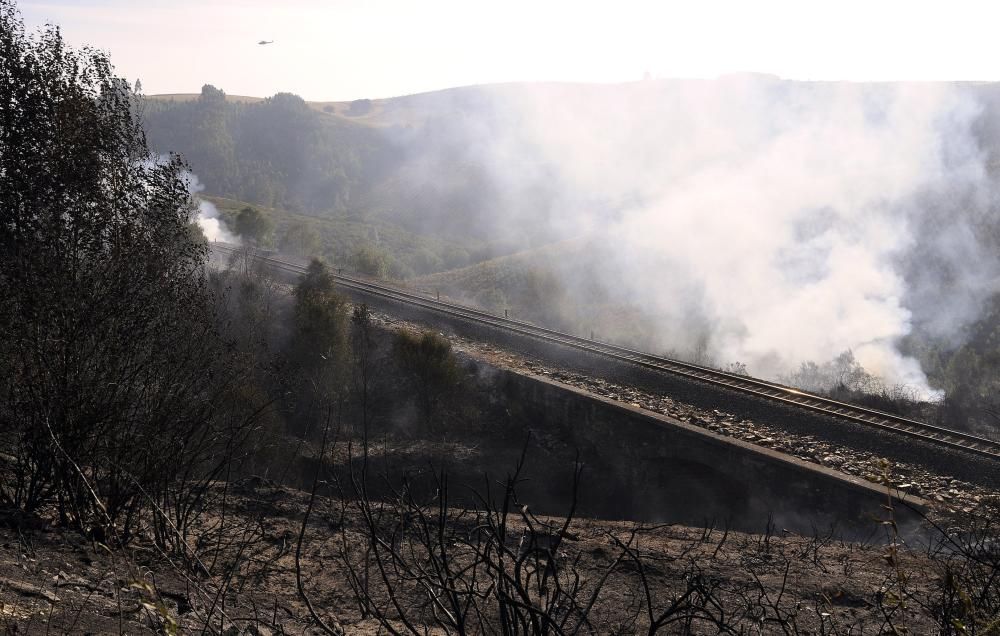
point(211, 94)
point(254, 226)
point(319, 343)
point(432, 367)
point(372, 261)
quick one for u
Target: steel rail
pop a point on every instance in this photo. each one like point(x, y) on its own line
point(743, 384)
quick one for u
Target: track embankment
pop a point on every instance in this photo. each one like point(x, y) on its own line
point(830, 428)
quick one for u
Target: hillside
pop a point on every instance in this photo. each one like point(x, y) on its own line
point(340, 238)
point(570, 285)
point(566, 284)
point(407, 161)
point(274, 152)
point(511, 166)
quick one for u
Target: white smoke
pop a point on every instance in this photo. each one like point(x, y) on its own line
point(212, 225)
point(783, 215)
point(208, 218)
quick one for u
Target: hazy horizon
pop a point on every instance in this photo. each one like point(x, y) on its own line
point(726, 77)
point(350, 50)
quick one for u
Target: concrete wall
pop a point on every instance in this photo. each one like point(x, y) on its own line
point(658, 469)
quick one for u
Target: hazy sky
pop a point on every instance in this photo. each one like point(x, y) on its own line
point(347, 49)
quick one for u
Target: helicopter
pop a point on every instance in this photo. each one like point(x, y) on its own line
point(262, 42)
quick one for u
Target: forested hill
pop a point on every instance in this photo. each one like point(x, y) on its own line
point(406, 161)
point(273, 152)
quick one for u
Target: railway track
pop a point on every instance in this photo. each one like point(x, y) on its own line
point(760, 388)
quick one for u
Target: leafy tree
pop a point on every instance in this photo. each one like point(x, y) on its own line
point(254, 226)
point(110, 366)
point(320, 314)
point(319, 343)
point(372, 261)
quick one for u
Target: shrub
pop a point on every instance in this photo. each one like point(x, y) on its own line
point(429, 361)
point(372, 261)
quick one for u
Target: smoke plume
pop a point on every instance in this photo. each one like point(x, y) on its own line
point(789, 222)
point(208, 218)
point(212, 225)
